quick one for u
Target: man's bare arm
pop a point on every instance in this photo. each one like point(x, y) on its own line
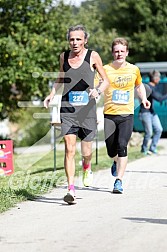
point(142, 94)
point(103, 79)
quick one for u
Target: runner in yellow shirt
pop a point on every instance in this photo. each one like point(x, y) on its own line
point(119, 107)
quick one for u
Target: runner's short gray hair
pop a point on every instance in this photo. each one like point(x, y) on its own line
point(77, 28)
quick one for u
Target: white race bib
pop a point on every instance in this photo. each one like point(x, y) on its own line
point(78, 98)
point(121, 97)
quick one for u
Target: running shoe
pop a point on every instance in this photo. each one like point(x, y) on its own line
point(114, 169)
point(118, 186)
point(87, 177)
point(70, 197)
point(147, 152)
point(153, 151)
point(144, 152)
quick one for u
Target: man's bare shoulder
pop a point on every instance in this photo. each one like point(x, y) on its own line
point(95, 54)
point(62, 55)
point(95, 57)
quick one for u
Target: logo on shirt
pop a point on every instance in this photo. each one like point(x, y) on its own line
point(122, 81)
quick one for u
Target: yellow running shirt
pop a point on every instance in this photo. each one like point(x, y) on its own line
point(119, 96)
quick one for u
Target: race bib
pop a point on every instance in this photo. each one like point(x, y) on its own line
point(78, 98)
point(121, 97)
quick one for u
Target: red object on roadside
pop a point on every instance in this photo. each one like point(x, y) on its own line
point(6, 157)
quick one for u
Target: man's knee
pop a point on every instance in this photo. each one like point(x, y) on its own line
point(148, 134)
point(122, 151)
point(159, 130)
point(111, 153)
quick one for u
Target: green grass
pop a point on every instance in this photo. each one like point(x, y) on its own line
point(32, 177)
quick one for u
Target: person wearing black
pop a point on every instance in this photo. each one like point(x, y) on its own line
point(78, 106)
point(150, 120)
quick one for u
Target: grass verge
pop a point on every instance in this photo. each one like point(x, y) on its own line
point(33, 174)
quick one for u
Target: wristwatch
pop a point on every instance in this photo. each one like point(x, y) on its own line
point(98, 91)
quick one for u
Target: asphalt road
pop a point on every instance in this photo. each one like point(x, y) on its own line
point(134, 221)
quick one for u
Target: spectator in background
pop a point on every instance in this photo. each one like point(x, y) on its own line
point(150, 120)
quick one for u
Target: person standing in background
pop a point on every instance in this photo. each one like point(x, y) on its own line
point(150, 120)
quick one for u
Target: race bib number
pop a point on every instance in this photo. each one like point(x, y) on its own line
point(121, 97)
point(78, 98)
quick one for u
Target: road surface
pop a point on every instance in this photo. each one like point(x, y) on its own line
point(101, 221)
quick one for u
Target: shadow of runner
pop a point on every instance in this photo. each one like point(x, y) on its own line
point(161, 172)
point(59, 200)
point(147, 220)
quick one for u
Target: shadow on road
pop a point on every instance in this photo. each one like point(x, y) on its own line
point(147, 220)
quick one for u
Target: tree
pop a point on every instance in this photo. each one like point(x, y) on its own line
point(32, 37)
point(143, 22)
point(100, 39)
point(33, 34)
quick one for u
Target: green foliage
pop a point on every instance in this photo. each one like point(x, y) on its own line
point(32, 130)
point(32, 37)
point(142, 22)
point(99, 40)
point(33, 34)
